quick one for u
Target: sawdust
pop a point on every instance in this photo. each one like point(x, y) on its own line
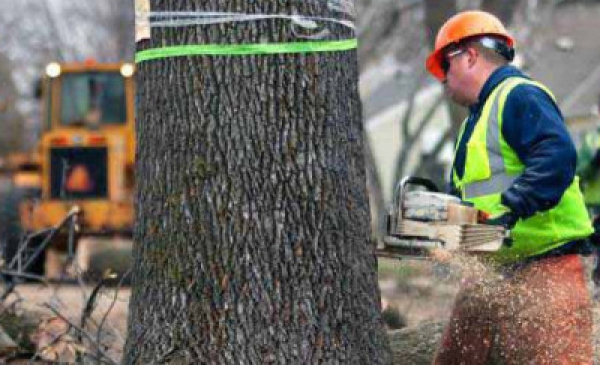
point(521, 325)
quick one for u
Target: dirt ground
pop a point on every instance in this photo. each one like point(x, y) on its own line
point(422, 292)
point(419, 291)
point(107, 324)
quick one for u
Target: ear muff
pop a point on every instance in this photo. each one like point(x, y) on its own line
point(510, 54)
point(498, 46)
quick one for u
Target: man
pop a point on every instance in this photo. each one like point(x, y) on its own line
point(588, 167)
point(515, 160)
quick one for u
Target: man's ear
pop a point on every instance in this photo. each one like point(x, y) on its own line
point(473, 54)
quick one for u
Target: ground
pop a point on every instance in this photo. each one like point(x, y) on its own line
point(419, 291)
point(423, 292)
point(46, 304)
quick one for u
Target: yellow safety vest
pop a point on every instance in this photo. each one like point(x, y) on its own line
point(491, 167)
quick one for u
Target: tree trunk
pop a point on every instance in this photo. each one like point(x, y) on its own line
point(436, 14)
point(504, 10)
point(252, 234)
point(11, 119)
point(378, 208)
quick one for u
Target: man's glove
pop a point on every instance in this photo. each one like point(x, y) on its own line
point(506, 220)
point(596, 160)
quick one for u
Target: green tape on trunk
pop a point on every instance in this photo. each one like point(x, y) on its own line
point(245, 49)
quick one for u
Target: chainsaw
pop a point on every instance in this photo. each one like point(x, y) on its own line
point(421, 220)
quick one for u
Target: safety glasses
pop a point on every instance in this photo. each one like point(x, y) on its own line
point(446, 57)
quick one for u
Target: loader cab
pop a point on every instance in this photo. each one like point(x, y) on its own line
point(92, 100)
point(82, 164)
point(87, 95)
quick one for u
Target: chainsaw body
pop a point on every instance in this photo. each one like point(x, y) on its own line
point(422, 220)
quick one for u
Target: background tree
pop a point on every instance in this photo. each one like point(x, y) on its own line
point(36, 32)
point(10, 118)
point(252, 235)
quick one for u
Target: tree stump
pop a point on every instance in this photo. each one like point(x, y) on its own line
point(416, 345)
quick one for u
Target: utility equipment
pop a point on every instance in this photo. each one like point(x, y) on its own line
point(83, 162)
point(420, 221)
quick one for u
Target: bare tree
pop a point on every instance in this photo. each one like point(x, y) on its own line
point(67, 30)
point(10, 117)
point(36, 32)
point(252, 235)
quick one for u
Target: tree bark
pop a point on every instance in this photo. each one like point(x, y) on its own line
point(252, 233)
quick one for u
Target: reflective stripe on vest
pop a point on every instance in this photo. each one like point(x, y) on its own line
point(496, 183)
point(500, 180)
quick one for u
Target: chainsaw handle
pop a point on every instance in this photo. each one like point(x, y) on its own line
point(400, 190)
point(415, 180)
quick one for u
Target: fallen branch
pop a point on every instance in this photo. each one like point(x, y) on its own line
point(104, 357)
point(112, 304)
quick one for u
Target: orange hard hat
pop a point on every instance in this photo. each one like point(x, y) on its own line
point(461, 26)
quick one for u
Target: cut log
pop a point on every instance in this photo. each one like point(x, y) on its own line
point(7, 344)
point(416, 345)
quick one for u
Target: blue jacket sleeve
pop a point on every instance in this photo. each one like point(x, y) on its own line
point(534, 127)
